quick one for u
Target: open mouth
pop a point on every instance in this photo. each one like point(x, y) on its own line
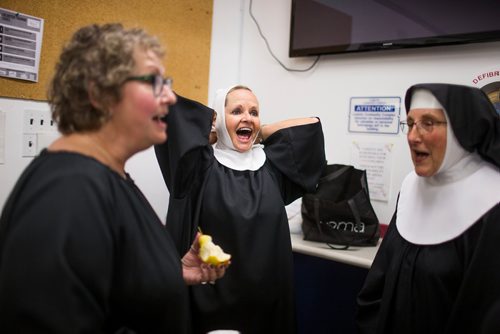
point(159, 120)
point(420, 155)
point(244, 133)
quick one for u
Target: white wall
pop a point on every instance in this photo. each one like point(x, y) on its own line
point(14, 163)
point(143, 166)
point(239, 55)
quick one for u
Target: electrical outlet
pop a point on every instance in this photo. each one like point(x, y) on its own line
point(39, 130)
point(29, 145)
point(45, 122)
point(29, 124)
point(37, 121)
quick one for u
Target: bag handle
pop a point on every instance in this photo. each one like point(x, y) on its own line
point(334, 175)
point(318, 223)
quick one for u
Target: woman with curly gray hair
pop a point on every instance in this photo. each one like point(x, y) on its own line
point(81, 249)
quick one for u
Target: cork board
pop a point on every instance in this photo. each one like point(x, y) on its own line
point(183, 26)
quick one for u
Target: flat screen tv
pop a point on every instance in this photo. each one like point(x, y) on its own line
point(339, 26)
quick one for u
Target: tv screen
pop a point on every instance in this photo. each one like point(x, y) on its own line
point(339, 26)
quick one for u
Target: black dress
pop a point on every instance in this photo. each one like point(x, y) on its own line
point(444, 288)
point(82, 251)
point(244, 211)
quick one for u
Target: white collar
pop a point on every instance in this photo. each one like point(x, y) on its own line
point(429, 214)
point(224, 150)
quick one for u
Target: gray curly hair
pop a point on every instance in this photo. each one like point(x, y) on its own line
point(94, 64)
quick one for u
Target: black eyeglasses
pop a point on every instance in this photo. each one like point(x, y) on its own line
point(423, 126)
point(156, 81)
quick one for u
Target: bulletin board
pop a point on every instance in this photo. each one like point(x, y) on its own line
point(183, 27)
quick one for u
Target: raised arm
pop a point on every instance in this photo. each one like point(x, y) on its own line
point(268, 129)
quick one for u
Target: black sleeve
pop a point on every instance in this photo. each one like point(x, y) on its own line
point(480, 285)
point(188, 128)
point(298, 153)
point(183, 160)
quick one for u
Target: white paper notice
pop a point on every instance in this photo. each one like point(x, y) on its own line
point(376, 159)
point(20, 45)
point(374, 114)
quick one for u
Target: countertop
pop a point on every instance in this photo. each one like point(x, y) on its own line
point(356, 256)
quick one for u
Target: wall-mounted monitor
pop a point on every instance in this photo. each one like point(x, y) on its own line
point(340, 26)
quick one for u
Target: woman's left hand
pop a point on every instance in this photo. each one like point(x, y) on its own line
point(195, 271)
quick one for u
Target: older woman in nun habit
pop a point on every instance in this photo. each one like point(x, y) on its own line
point(236, 191)
point(438, 267)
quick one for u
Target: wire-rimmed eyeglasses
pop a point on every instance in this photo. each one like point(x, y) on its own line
point(156, 81)
point(423, 126)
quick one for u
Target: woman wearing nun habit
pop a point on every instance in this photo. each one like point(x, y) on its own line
point(236, 191)
point(438, 268)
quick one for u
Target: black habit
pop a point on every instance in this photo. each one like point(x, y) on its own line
point(442, 288)
point(244, 212)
